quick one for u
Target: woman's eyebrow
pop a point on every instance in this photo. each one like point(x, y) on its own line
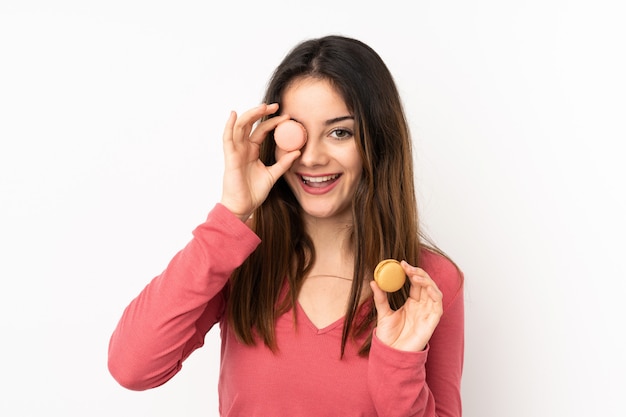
point(331, 121)
point(338, 119)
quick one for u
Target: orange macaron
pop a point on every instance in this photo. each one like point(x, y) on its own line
point(389, 275)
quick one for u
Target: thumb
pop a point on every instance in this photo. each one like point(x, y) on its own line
point(380, 300)
point(283, 164)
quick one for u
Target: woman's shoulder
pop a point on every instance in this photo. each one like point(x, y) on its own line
point(443, 270)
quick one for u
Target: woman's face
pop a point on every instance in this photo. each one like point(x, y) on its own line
point(324, 178)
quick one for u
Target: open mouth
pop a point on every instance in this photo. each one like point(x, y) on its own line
point(319, 182)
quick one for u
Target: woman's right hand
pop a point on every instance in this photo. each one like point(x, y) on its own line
point(248, 181)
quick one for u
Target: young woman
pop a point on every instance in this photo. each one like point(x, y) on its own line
point(284, 262)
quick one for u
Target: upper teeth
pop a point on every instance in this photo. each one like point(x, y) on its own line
point(320, 179)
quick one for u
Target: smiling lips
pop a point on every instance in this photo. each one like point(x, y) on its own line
point(319, 182)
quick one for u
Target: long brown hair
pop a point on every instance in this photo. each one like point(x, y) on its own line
point(384, 205)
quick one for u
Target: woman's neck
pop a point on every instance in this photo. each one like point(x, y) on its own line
point(330, 233)
point(331, 239)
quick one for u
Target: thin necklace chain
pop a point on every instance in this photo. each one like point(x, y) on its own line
point(329, 276)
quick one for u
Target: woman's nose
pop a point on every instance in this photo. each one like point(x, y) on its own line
point(313, 153)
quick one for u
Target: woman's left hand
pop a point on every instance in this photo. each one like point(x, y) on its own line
point(410, 327)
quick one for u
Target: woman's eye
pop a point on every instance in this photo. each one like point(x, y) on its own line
point(341, 134)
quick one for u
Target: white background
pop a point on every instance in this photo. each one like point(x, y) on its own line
point(111, 115)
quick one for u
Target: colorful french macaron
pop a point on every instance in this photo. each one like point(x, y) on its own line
point(290, 135)
point(389, 275)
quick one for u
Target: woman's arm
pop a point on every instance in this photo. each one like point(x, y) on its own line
point(427, 382)
point(171, 316)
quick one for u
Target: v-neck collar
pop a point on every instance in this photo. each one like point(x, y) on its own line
point(303, 317)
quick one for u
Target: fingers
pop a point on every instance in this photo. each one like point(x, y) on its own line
point(259, 134)
point(241, 130)
point(283, 164)
point(423, 288)
point(243, 126)
point(380, 300)
point(227, 136)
